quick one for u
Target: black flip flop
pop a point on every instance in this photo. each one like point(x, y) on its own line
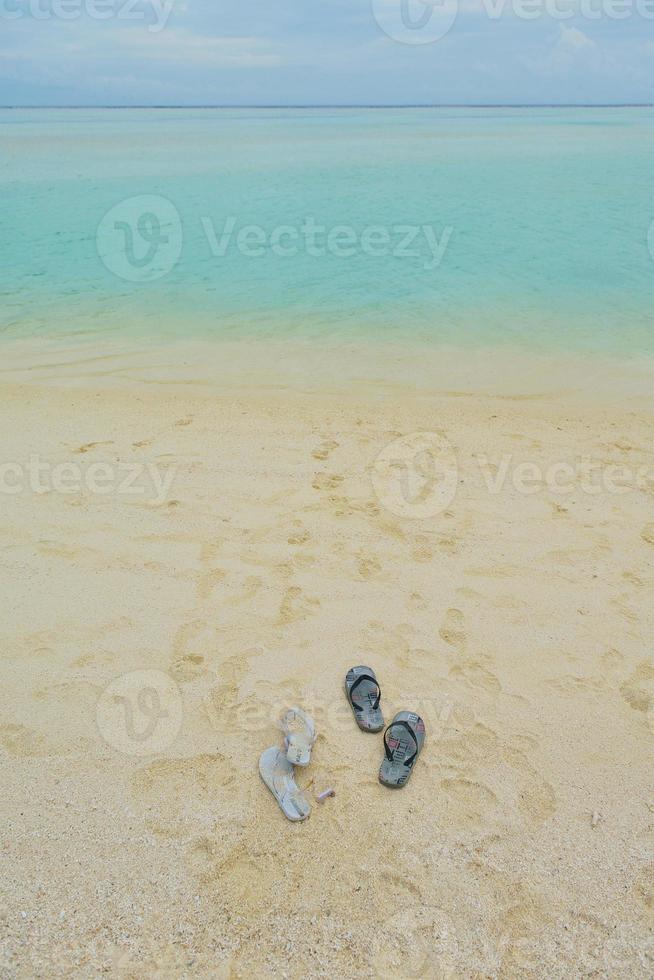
point(364, 694)
point(403, 742)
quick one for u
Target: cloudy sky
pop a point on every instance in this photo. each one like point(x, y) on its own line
point(278, 52)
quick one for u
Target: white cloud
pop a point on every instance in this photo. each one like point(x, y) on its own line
point(180, 47)
point(573, 38)
point(572, 50)
point(58, 54)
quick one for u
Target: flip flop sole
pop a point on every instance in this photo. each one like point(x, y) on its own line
point(392, 777)
point(277, 773)
point(369, 718)
point(393, 772)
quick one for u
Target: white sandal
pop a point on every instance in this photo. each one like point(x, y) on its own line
point(299, 736)
point(277, 773)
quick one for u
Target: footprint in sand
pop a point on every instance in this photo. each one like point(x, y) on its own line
point(575, 686)
point(21, 741)
point(638, 691)
point(612, 659)
point(417, 940)
point(398, 883)
point(323, 481)
point(323, 451)
point(452, 631)
point(381, 638)
point(87, 447)
point(190, 643)
point(369, 568)
point(448, 543)
point(647, 534)
point(468, 745)
point(237, 872)
point(58, 549)
point(251, 587)
point(201, 856)
point(210, 575)
point(624, 445)
point(224, 704)
point(178, 796)
point(477, 676)
point(296, 606)
point(299, 537)
point(521, 916)
point(426, 549)
point(344, 507)
point(496, 571)
point(537, 800)
point(620, 604)
point(422, 552)
point(475, 803)
point(644, 887)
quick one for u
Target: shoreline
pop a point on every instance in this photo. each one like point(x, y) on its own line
point(249, 364)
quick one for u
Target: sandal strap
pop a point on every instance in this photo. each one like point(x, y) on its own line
point(360, 678)
point(307, 721)
point(391, 752)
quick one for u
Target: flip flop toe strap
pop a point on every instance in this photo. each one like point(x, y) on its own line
point(360, 678)
point(390, 752)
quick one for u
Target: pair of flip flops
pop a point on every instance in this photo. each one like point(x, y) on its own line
point(277, 765)
point(404, 737)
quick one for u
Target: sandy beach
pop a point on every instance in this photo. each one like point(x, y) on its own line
point(184, 555)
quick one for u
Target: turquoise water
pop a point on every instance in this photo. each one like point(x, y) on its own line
point(545, 215)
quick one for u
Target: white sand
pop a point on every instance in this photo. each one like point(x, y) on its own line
point(518, 623)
